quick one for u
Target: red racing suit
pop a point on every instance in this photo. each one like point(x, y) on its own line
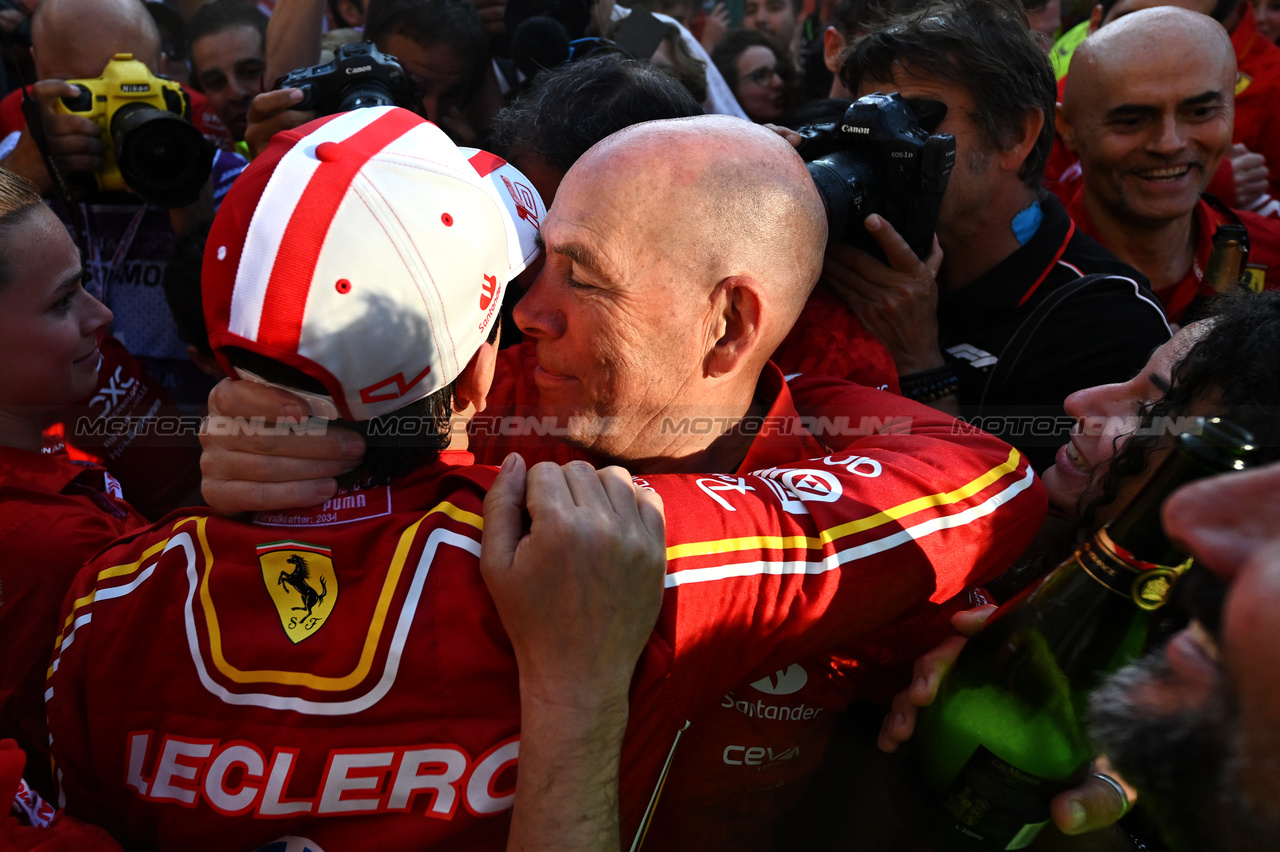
point(55, 515)
point(1264, 251)
point(344, 676)
point(130, 426)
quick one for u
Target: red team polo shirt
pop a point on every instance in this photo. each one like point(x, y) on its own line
point(340, 673)
point(55, 516)
point(1264, 251)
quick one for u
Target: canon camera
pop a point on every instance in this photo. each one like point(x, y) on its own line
point(360, 75)
point(152, 146)
point(879, 159)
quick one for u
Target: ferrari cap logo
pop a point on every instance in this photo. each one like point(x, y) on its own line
point(302, 584)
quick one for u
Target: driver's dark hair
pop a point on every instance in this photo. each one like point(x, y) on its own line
point(396, 444)
point(986, 47)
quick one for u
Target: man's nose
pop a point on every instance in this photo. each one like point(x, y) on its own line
point(1171, 136)
point(535, 316)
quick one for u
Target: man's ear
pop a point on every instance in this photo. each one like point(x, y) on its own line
point(739, 319)
point(1095, 20)
point(1012, 158)
point(1062, 123)
point(475, 380)
point(832, 47)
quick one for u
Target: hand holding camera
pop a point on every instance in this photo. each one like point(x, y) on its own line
point(151, 147)
point(74, 140)
point(359, 75)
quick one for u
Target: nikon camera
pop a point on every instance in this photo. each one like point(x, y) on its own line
point(879, 159)
point(152, 146)
point(360, 75)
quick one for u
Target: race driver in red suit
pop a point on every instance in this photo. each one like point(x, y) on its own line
point(340, 673)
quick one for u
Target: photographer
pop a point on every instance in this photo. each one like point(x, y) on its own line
point(440, 43)
point(128, 242)
point(228, 60)
point(1001, 327)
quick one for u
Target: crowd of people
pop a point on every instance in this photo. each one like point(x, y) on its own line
point(494, 435)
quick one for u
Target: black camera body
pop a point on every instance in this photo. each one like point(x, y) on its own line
point(879, 159)
point(360, 75)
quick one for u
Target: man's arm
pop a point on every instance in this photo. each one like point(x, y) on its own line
point(293, 36)
point(578, 594)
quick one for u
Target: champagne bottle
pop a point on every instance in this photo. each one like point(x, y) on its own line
point(1006, 731)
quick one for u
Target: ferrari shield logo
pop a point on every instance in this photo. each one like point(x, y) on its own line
point(302, 584)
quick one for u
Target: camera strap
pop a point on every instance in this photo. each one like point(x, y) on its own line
point(35, 127)
point(109, 270)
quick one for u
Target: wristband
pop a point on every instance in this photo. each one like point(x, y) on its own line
point(930, 385)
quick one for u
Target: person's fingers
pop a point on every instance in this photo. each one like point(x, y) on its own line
point(584, 484)
point(620, 491)
point(896, 251)
point(233, 497)
point(930, 668)
point(899, 723)
point(235, 465)
point(240, 398)
point(317, 440)
point(503, 517)
point(268, 104)
point(970, 621)
point(1099, 801)
point(547, 494)
point(652, 513)
point(47, 91)
point(838, 270)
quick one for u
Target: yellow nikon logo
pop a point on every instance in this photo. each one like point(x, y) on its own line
point(302, 584)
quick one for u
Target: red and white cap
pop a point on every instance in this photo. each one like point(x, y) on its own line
point(369, 252)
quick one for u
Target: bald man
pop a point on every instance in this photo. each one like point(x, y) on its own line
point(75, 39)
point(678, 255)
point(1249, 177)
point(127, 244)
point(1148, 109)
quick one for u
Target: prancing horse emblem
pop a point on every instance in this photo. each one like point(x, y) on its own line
point(298, 580)
point(307, 569)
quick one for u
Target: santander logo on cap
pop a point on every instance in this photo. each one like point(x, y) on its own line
point(487, 289)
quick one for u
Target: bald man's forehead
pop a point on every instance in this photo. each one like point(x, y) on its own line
point(1128, 7)
point(75, 39)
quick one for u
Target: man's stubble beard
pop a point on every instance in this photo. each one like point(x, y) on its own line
point(1186, 764)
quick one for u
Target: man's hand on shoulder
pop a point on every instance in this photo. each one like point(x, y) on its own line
point(75, 141)
point(578, 594)
point(270, 113)
point(579, 590)
point(258, 455)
